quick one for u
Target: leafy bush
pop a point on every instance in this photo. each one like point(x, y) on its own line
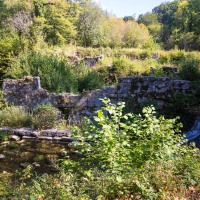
point(120, 156)
point(164, 59)
point(91, 81)
point(144, 55)
point(177, 57)
point(119, 142)
point(2, 101)
point(190, 70)
point(4, 136)
point(45, 116)
point(120, 67)
point(15, 116)
point(56, 75)
point(10, 46)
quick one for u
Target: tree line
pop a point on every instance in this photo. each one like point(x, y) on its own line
point(28, 24)
point(85, 23)
point(175, 24)
point(58, 22)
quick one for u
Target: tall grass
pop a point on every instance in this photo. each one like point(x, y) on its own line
point(15, 116)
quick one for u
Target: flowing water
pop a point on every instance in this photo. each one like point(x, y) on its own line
point(194, 134)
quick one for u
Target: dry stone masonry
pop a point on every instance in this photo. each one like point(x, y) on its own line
point(55, 135)
point(28, 92)
point(133, 89)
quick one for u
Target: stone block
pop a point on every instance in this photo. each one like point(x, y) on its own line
point(48, 133)
point(14, 137)
point(61, 133)
point(109, 89)
point(25, 132)
point(45, 138)
point(29, 138)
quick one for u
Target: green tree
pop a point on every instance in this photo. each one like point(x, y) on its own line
point(136, 35)
point(116, 29)
point(56, 20)
point(154, 27)
point(89, 23)
point(129, 18)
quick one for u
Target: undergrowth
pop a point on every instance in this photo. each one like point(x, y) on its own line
point(121, 156)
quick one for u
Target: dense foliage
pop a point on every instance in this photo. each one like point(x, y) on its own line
point(120, 156)
point(56, 73)
point(84, 22)
point(32, 31)
point(175, 24)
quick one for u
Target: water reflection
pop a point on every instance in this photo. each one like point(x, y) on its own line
point(41, 155)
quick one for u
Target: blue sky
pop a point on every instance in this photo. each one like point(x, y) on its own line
point(123, 8)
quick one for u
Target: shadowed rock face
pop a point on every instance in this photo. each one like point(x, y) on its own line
point(28, 92)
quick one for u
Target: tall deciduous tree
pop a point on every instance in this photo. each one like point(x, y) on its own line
point(89, 23)
point(154, 27)
point(136, 35)
point(117, 31)
point(56, 20)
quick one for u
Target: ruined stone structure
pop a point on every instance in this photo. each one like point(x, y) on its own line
point(28, 92)
point(133, 89)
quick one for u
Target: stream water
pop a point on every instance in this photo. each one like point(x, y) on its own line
point(194, 134)
point(17, 155)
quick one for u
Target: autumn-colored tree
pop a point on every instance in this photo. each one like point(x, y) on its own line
point(136, 35)
point(117, 30)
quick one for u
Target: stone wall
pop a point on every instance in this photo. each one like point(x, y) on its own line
point(28, 92)
point(133, 89)
point(159, 88)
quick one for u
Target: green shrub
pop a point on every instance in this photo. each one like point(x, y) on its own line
point(4, 136)
point(145, 55)
point(164, 59)
point(56, 75)
point(45, 116)
point(157, 72)
point(176, 57)
point(2, 102)
point(120, 67)
point(91, 81)
point(15, 116)
point(10, 47)
point(190, 70)
point(120, 142)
